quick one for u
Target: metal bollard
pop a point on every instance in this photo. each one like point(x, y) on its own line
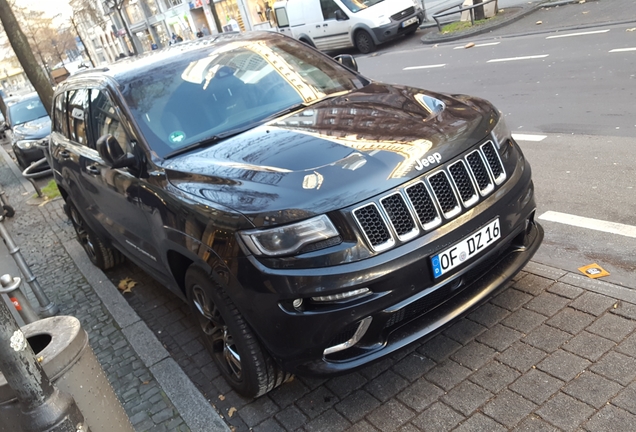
point(11, 286)
point(47, 307)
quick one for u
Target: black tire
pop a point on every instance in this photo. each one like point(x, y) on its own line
point(364, 42)
point(244, 363)
point(99, 254)
point(307, 42)
point(8, 211)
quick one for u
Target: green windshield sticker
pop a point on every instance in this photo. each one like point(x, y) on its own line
point(177, 136)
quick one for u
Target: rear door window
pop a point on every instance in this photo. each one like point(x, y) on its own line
point(105, 119)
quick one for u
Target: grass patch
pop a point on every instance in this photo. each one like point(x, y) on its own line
point(461, 25)
point(50, 191)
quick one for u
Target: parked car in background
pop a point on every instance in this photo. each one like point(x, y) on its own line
point(28, 126)
point(336, 24)
point(314, 220)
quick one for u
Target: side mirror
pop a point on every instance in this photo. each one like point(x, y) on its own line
point(111, 152)
point(340, 16)
point(348, 61)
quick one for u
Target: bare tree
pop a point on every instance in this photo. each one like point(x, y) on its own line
point(23, 51)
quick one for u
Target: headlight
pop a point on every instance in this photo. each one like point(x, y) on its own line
point(288, 239)
point(384, 21)
point(24, 145)
point(500, 132)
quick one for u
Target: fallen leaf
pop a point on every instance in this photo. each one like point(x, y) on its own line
point(586, 12)
point(231, 412)
point(126, 285)
point(582, 1)
point(631, 29)
point(146, 382)
point(469, 45)
point(40, 359)
point(539, 22)
point(221, 397)
point(615, 305)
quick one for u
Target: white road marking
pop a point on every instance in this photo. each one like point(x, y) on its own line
point(478, 45)
point(525, 137)
point(623, 50)
point(593, 224)
point(578, 34)
point(517, 58)
point(424, 67)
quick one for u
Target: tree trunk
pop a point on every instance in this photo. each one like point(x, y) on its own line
point(90, 59)
point(479, 11)
point(25, 56)
point(215, 15)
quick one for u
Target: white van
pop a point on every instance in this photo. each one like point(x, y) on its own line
point(336, 24)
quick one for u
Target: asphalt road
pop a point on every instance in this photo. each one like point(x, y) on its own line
point(575, 96)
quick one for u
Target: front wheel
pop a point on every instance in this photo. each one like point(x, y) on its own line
point(364, 42)
point(246, 366)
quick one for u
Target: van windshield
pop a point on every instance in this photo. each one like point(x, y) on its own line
point(357, 5)
point(232, 86)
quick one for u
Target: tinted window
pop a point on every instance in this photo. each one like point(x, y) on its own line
point(203, 93)
point(26, 110)
point(355, 5)
point(77, 104)
point(329, 8)
point(59, 117)
point(281, 17)
point(105, 120)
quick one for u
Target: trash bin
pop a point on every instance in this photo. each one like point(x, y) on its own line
point(69, 362)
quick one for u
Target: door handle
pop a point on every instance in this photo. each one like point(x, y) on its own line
point(65, 154)
point(93, 169)
point(318, 26)
point(325, 25)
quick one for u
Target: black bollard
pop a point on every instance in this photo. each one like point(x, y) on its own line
point(44, 408)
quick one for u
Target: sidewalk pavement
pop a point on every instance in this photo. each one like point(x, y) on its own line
point(552, 15)
point(555, 351)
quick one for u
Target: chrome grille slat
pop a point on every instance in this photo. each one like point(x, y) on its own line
point(494, 163)
point(374, 227)
point(400, 216)
point(463, 183)
point(423, 205)
point(480, 172)
point(444, 194)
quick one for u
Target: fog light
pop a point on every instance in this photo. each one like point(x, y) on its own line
point(342, 296)
point(298, 303)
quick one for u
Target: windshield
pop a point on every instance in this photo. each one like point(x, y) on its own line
point(26, 111)
point(357, 5)
point(205, 93)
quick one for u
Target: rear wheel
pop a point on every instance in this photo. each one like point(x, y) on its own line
point(364, 42)
point(99, 254)
point(247, 367)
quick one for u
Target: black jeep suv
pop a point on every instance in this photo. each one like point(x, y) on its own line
point(313, 219)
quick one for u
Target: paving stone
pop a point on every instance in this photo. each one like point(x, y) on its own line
point(533, 423)
point(617, 367)
point(494, 376)
point(376, 368)
point(257, 411)
point(565, 290)
point(269, 425)
point(329, 421)
point(386, 385)
point(464, 331)
point(626, 399)
point(565, 412)
point(628, 346)
point(624, 309)
point(547, 304)
point(390, 416)
point(474, 355)
point(480, 423)
point(499, 337)
point(343, 385)
point(570, 320)
point(611, 419)
point(546, 338)
point(533, 284)
point(420, 394)
point(524, 320)
point(521, 356)
point(357, 405)
point(364, 426)
point(509, 408)
point(407, 428)
point(315, 403)
point(593, 303)
point(587, 345)
point(413, 366)
point(612, 327)
point(511, 299)
point(438, 417)
point(593, 389)
point(488, 314)
point(536, 386)
point(563, 365)
point(448, 374)
point(467, 397)
point(291, 418)
point(439, 348)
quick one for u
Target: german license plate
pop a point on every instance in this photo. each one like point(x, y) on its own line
point(469, 247)
point(409, 21)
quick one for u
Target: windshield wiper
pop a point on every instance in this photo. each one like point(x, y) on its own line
point(208, 141)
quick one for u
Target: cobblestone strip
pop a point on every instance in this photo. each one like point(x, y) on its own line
point(144, 400)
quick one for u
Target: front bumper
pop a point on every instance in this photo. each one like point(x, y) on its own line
point(406, 304)
point(27, 156)
point(391, 31)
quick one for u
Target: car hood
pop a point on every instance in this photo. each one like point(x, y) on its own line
point(34, 129)
point(333, 154)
